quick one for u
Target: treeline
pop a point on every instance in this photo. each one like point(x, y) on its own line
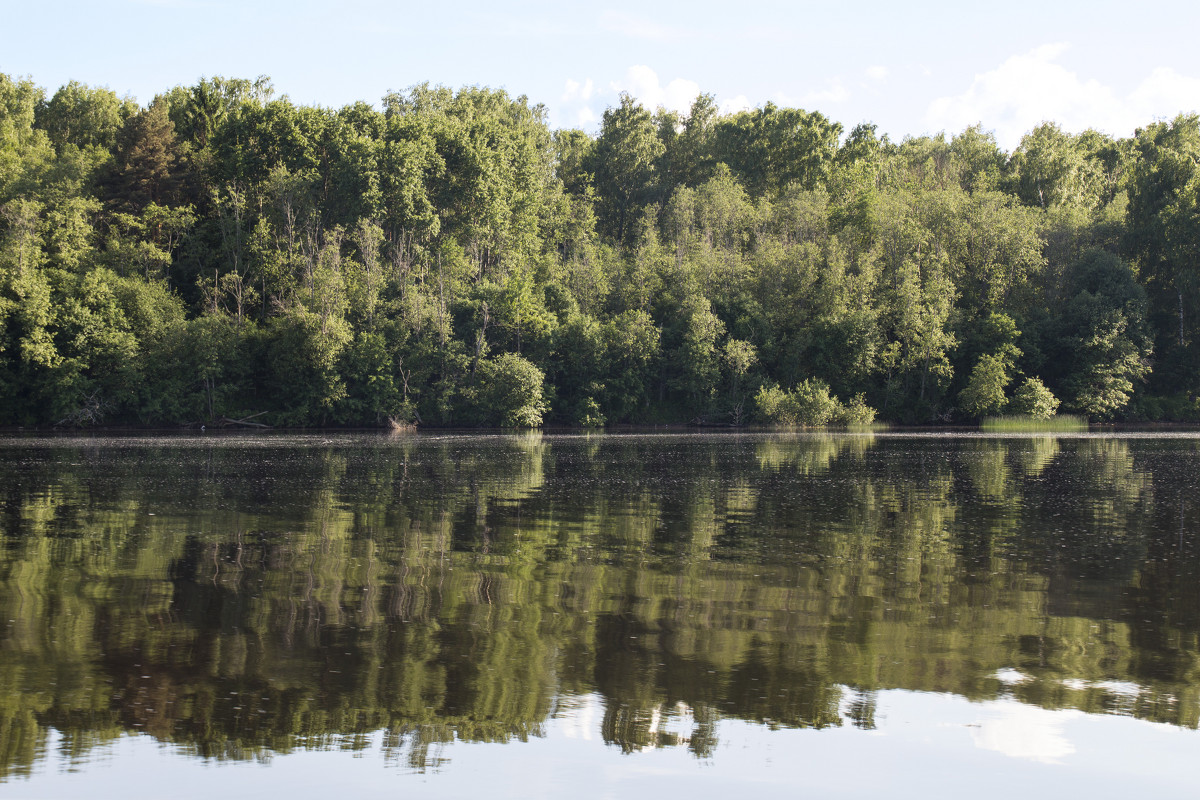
point(451, 260)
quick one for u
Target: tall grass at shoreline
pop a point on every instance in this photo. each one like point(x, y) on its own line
point(1023, 423)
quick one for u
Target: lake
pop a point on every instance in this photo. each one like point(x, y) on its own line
point(606, 615)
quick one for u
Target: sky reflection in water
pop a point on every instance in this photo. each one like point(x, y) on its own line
point(927, 745)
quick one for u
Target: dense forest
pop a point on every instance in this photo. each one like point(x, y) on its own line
point(224, 253)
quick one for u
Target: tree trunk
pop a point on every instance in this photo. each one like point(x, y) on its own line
point(1179, 292)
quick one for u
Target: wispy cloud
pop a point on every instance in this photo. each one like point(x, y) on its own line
point(834, 93)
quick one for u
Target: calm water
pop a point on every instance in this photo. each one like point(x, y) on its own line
point(606, 615)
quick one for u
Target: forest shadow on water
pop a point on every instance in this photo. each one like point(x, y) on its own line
point(247, 597)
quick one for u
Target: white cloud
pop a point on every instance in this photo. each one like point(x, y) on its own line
point(643, 83)
point(585, 118)
point(575, 105)
point(1165, 93)
point(736, 104)
point(877, 72)
point(583, 100)
point(1034, 87)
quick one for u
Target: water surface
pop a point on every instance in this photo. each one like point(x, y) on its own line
point(600, 614)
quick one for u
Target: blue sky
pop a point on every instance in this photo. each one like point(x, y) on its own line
point(911, 68)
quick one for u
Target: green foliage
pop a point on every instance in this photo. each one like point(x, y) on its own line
point(809, 404)
point(589, 415)
point(771, 147)
point(1052, 168)
point(623, 161)
point(371, 386)
point(148, 163)
point(698, 358)
point(509, 393)
point(1102, 330)
point(984, 394)
point(919, 352)
point(1033, 399)
point(856, 412)
point(304, 350)
point(1163, 234)
point(979, 159)
point(632, 343)
point(82, 116)
point(354, 265)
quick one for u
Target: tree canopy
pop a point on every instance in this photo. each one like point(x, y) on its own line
point(446, 258)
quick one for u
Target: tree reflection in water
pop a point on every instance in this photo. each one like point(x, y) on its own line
point(241, 597)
